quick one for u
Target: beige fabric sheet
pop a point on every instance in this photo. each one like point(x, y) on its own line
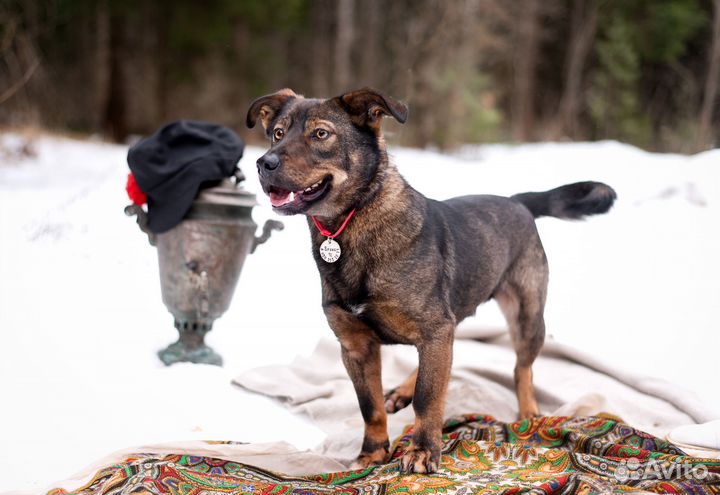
point(568, 382)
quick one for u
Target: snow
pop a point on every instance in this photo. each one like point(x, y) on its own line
point(82, 318)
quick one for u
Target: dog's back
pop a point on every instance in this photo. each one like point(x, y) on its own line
point(487, 234)
point(480, 237)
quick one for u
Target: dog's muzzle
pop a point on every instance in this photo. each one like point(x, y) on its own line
point(269, 162)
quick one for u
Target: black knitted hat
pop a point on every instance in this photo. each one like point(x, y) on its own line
point(173, 164)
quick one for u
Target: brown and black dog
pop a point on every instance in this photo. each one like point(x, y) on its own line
point(411, 268)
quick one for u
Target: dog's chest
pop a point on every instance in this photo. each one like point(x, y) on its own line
point(390, 323)
point(388, 319)
point(347, 281)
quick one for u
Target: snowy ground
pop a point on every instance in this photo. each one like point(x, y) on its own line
point(81, 314)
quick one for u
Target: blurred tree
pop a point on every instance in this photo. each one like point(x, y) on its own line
point(525, 60)
point(115, 115)
point(583, 28)
point(21, 24)
point(709, 102)
point(16, 51)
point(639, 54)
point(344, 32)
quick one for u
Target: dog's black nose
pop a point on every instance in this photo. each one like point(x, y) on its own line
point(269, 161)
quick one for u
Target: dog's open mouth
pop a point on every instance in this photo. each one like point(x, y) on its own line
point(284, 198)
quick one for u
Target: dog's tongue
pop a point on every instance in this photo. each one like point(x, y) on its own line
point(280, 199)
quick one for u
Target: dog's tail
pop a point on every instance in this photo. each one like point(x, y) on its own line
point(572, 201)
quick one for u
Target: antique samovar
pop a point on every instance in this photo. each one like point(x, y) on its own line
point(200, 261)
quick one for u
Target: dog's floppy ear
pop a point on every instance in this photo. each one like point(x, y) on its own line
point(267, 107)
point(367, 106)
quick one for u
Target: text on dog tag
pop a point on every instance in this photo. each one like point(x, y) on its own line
point(330, 250)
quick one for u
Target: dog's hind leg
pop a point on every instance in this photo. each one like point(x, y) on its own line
point(522, 300)
point(402, 395)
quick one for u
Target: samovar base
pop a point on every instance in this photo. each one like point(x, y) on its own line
point(191, 346)
point(178, 353)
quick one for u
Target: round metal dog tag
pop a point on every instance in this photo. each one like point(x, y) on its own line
point(330, 250)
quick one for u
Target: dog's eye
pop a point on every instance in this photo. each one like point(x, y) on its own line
point(321, 134)
point(278, 134)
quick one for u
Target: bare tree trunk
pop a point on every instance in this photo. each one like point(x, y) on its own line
point(524, 70)
point(705, 137)
point(320, 17)
point(115, 121)
point(343, 43)
point(163, 63)
point(582, 34)
point(371, 62)
point(101, 62)
point(19, 63)
point(17, 85)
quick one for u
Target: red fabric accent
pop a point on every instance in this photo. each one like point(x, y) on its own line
point(133, 191)
point(329, 234)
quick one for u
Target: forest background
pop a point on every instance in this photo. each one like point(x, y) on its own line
point(472, 71)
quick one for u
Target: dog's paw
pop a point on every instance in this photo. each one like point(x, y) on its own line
point(418, 460)
point(367, 459)
point(396, 399)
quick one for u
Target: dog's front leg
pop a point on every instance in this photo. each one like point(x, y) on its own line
point(435, 360)
point(360, 349)
point(364, 370)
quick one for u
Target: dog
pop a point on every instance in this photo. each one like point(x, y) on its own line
point(399, 268)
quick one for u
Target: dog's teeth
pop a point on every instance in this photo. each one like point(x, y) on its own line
point(291, 198)
point(310, 189)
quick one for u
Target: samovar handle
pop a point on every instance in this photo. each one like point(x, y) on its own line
point(142, 221)
point(269, 226)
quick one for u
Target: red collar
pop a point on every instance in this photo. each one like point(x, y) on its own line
point(329, 234)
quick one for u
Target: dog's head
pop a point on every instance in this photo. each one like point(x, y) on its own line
point(323, 153)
